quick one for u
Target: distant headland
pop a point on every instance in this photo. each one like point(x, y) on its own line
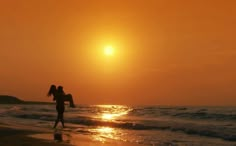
point(6, 99)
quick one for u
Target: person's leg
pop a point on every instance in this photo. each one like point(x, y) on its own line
point(61, 116)
point(57, 120)
point(62, 120)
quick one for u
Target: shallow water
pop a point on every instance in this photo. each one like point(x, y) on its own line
point(149, 125)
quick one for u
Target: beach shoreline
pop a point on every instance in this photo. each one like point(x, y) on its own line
point(11, 135)
point(19, 137)
point(24, 125)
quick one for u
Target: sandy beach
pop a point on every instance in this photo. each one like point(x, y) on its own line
point(19, 137)
point(11, 135)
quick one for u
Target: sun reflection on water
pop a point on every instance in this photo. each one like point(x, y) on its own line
point(108, 116)
point(113, 112)
point(109, 113)
point(105, 134)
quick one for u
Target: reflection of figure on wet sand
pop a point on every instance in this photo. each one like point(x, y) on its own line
point(58, 135)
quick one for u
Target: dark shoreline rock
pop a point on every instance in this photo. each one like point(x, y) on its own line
point(6, 99)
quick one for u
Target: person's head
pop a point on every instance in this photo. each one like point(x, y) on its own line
point(52, 90)
point(60, 89)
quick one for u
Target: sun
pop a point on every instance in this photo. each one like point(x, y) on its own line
point(108, 50)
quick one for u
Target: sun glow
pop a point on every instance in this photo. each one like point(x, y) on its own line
point(108, 50)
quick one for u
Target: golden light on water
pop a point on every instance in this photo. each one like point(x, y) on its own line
point(105, 130)
point(104, 133)
point(110, 116)
point(109, 113)
point(107, 116)
point(113, 112)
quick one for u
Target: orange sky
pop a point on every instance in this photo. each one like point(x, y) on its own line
point(180, 52)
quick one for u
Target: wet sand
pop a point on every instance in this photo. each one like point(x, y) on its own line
point(21, 136)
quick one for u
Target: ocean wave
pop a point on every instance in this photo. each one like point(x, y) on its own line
point(205, 115)
point(223, 132)
point(188, 128)
point(185, 112)
point(202, 121)
point(48, 117)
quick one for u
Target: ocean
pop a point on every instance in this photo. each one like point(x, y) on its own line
point(146, 125)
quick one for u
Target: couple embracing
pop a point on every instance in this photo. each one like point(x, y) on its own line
point(60, 97)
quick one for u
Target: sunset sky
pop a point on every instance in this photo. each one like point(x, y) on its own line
point(165, 52)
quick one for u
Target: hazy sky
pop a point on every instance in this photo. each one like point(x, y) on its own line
point(179, 52)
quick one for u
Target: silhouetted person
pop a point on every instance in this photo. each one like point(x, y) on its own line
point(67, 97)
point(52, 91)
point(60, 106)
point(58, 95)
